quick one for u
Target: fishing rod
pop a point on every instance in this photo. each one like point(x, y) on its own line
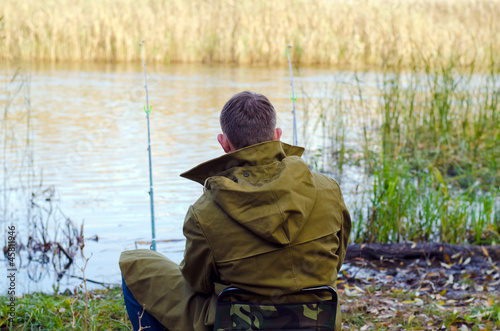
point(292, 96)
point(147, 109)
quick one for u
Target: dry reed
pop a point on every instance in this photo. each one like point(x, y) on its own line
point(334, 32)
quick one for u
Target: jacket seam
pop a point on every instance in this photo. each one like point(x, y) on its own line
point(340, 234)
point(277, 205)
point(281, 212)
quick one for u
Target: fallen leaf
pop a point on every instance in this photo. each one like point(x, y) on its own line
point(444, 265)
point(439, 305)
point(485, 252)
point(467, 261)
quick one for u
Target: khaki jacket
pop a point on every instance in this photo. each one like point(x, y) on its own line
point(265, 223)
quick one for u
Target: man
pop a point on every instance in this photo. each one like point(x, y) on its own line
point(265, 223)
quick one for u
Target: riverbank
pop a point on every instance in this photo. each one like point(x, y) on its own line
point(337, 32)
point(434, 291)
point(38, 311)
point(379, 294)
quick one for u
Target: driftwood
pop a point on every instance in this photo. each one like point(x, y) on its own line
point(409, 251)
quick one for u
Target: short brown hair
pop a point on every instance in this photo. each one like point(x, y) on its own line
point(248, 118)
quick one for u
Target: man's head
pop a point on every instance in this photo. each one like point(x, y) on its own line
point(247, 118)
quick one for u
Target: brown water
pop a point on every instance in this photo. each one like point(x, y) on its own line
point(90, 143)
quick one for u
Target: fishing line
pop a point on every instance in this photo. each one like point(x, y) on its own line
point(292, 96)
point(147, 109)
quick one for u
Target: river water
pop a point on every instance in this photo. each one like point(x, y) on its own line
point(88, 136)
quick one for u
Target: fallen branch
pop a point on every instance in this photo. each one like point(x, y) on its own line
point(65, 253)
point(95, 281)
point(411, 251)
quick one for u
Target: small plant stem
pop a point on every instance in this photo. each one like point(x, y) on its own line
point(85, 284)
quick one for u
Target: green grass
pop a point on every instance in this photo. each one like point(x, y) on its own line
point(384, 309)
point(407, 205)
point(443, 120)
point(106, 311)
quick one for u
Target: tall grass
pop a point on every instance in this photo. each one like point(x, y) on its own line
point(437, 176)
point(430, 155)
point(446, 120)
point(421, 206)
point(355, 32)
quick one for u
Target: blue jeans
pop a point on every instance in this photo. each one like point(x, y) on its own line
point(134, 310)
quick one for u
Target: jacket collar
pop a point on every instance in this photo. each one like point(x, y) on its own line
point(255, 155)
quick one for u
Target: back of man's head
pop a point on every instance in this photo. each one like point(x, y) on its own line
point(248, 118)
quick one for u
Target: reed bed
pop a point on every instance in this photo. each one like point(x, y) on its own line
point(334, 32)
point(430, 155)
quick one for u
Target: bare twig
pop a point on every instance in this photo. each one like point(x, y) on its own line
point(71, 305)
point(87, 295)
point(140, 318)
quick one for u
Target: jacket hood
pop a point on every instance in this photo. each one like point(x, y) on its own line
point(266, 188)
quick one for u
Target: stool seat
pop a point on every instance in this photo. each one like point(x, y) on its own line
point(263, 314)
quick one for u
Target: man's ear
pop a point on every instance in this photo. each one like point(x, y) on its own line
point(277, 133)
point(224, 142)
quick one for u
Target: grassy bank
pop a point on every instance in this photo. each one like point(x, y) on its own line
point(364, 308)
point(322, 32)
point(105, 311)
point(428, 144)
point(436, 177)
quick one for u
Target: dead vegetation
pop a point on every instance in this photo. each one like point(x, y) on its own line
point(356, 32)
point(456, 293)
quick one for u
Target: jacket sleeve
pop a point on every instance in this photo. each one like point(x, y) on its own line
point(198, 266)
point(345, 231)
point(344, 237)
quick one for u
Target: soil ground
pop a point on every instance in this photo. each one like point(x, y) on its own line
point(420, 294)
